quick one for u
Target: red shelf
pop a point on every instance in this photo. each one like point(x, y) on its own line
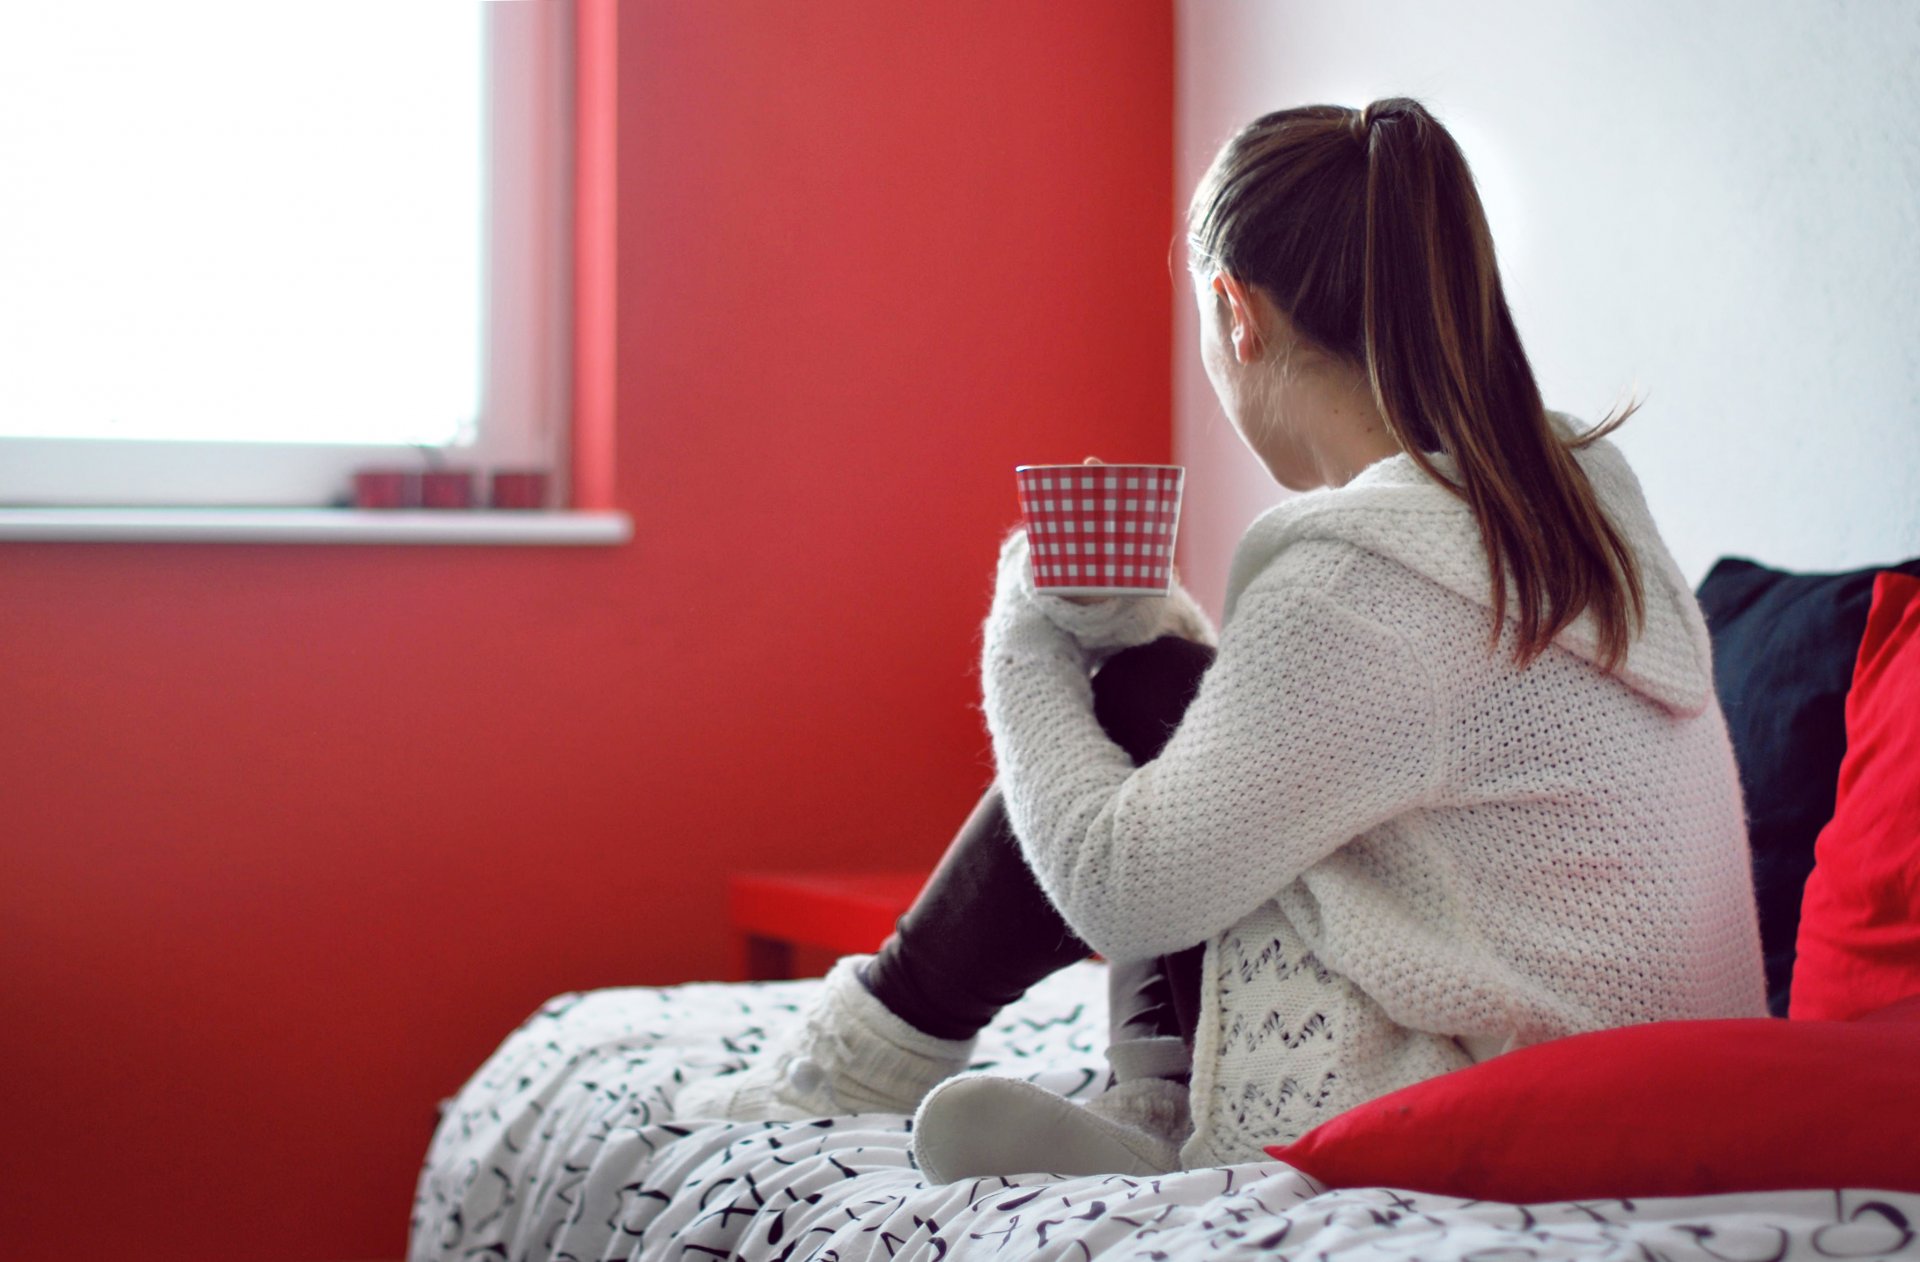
point(845, 913)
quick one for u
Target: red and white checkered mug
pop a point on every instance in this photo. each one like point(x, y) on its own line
point(1101, 529)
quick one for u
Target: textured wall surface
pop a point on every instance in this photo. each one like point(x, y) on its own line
point(1712, 206)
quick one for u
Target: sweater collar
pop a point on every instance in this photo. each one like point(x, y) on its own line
point(1395, 509)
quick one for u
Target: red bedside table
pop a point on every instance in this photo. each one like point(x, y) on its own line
point(845, 913)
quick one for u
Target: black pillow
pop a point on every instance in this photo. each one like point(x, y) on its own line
point(1783, 652)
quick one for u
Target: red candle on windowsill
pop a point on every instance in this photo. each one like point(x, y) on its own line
point(519, 488)
point(446, 488)
point(386, 488)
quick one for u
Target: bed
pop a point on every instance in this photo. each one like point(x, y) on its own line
point(564, 1146)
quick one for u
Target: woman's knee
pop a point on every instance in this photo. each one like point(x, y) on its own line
point(1140, 694)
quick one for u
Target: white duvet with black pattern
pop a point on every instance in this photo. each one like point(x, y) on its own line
point(564, 1147)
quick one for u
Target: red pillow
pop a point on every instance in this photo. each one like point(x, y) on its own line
point(1670, 1108)
point(1859, 943)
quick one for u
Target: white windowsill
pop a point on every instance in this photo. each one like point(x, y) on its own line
point(314, 525)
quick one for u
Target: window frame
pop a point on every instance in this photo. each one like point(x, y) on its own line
point(527, 354)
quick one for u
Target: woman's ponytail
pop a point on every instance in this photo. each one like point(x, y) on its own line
point(1449, 375)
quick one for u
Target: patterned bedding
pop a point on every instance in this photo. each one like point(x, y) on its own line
point(564, 1146)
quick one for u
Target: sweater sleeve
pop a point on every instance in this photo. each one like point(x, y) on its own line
point(1104, 627)
point(1313, 725)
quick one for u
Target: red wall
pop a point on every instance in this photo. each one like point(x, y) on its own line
point(294, 835)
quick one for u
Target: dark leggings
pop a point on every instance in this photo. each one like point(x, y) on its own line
point(982, 931)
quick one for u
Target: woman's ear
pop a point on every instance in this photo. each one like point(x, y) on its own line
point(1245, 335)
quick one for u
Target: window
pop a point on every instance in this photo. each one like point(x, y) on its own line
point(246, 248)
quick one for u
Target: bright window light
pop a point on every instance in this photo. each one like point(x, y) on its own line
point(241, 221)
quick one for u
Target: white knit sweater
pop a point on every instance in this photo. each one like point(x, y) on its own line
point(1403, 854)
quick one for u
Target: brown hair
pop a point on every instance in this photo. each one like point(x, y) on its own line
point(1364, 228)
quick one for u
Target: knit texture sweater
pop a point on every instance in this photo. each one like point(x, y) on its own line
point(1404, 854)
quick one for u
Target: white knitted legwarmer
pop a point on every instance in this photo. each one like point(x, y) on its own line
point(847, 1054)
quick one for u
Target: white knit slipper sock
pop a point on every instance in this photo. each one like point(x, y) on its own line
point(1163, 1057)
point(985, 1126)
point(847, 1054)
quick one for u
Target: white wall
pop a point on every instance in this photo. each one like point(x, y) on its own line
point(1712, 205)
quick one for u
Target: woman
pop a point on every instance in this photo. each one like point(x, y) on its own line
point(1455, 782)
